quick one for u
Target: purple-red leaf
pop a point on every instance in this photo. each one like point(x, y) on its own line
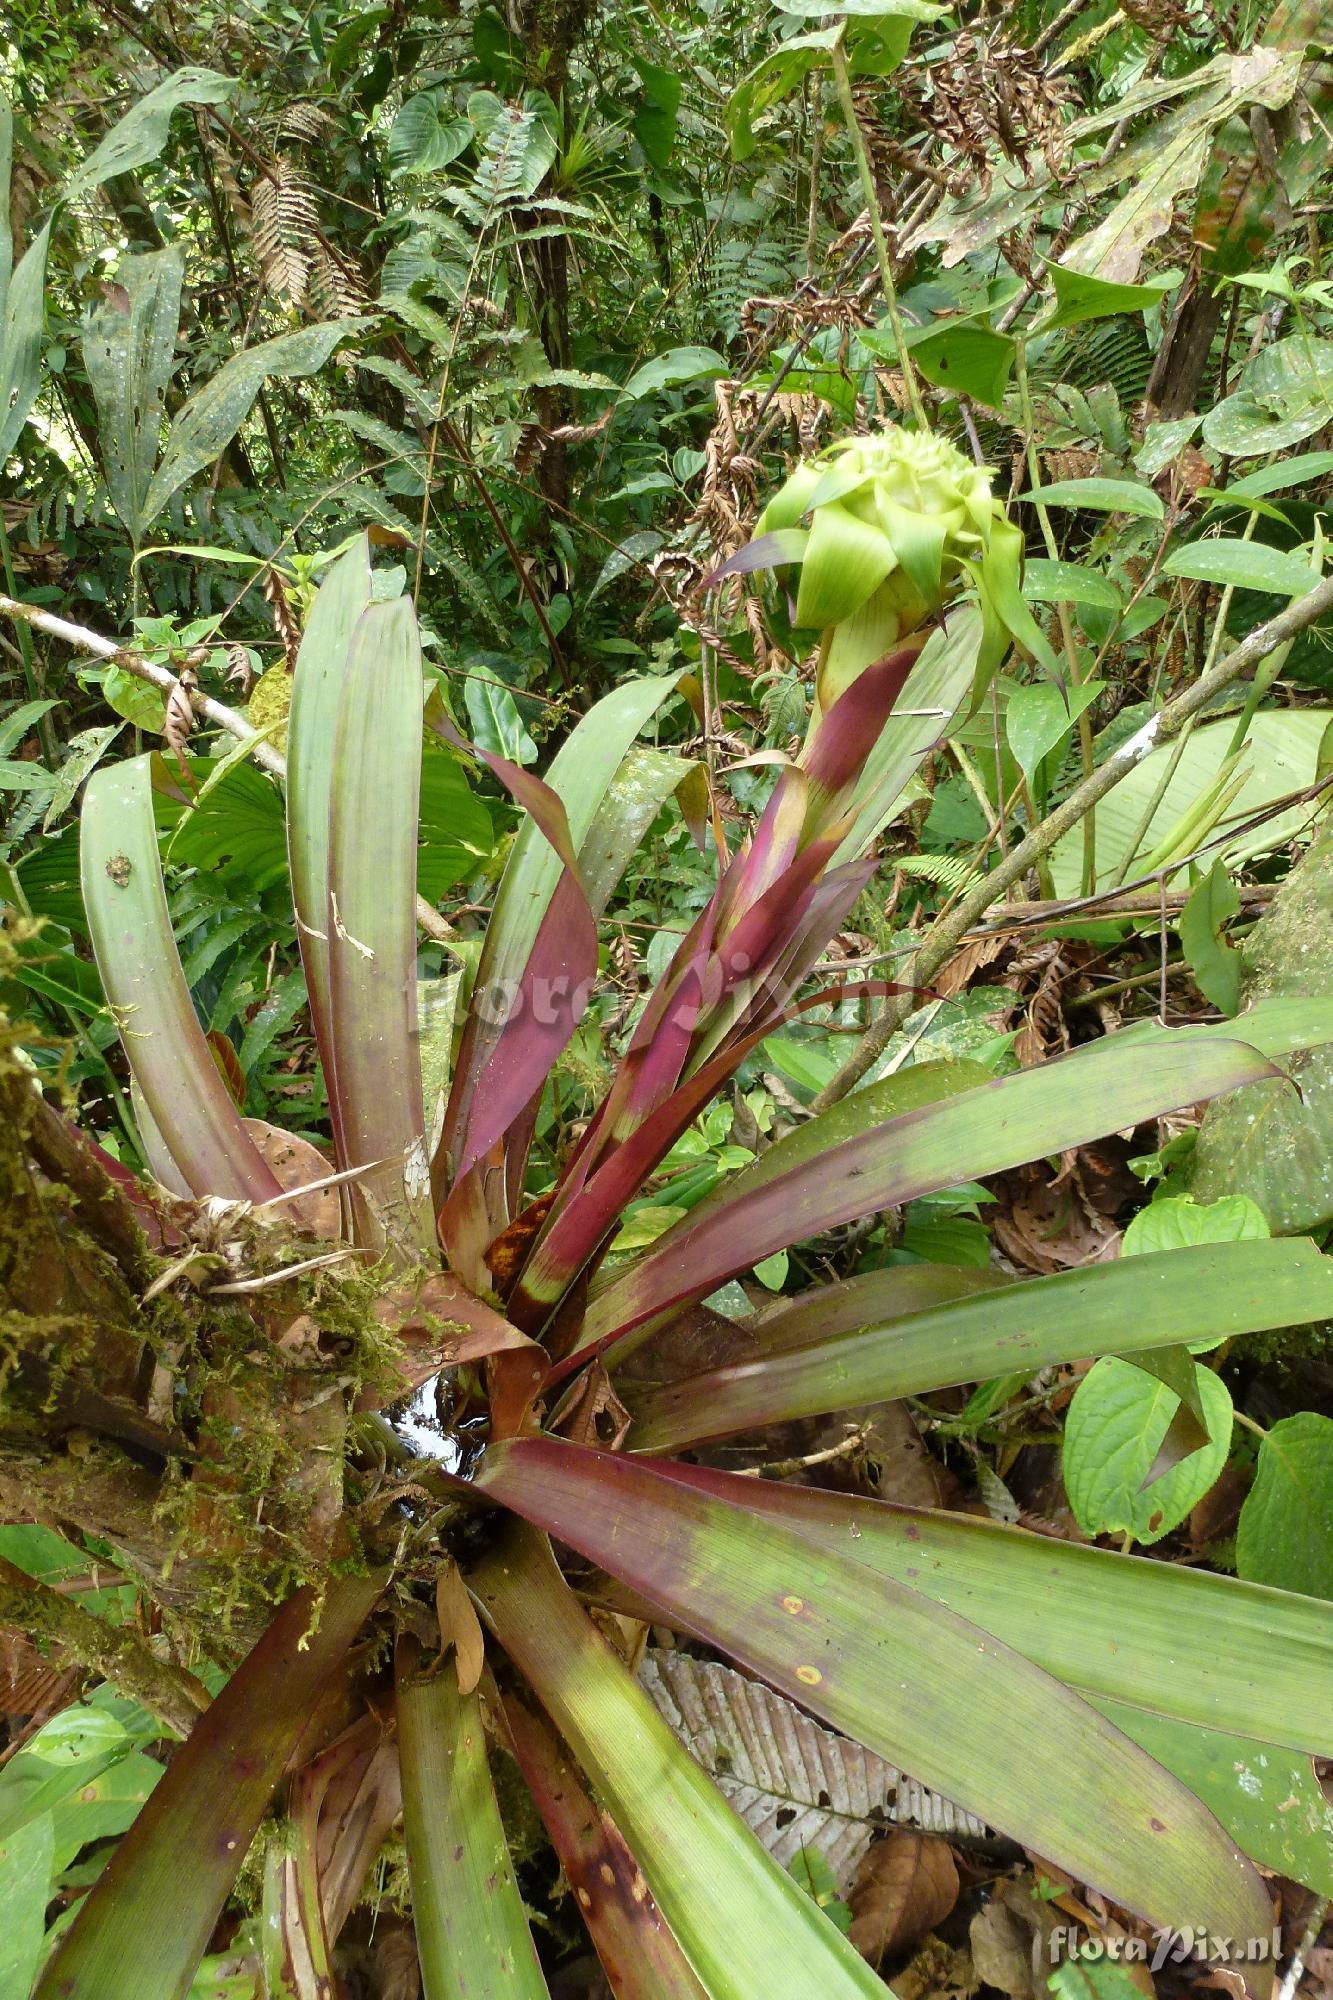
point(163, 1889)
point(639, 1955)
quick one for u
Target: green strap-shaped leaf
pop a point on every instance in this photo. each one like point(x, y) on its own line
point(472, 1933)
point(851, 1160)
point(6, 171)
point(747, 1930)
point(370, 924)
point(137, 137)
point(21, 340)
point(141, 134)
point(640, 788)
point(205, 425)
point(128, 351)
point(316, 686)
point(933, 1694)
point(143, 1927)
point(1207, 1292)
point(1182, 1643)
point(1269, 1800)
point(945, 678)
point(130, 926)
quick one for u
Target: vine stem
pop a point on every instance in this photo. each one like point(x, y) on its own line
point(1036, 482)
point(84, 640)
point(946, 932)
point(842, 78)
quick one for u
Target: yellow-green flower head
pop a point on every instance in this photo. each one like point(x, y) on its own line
point(899, 504)
point(899, 524)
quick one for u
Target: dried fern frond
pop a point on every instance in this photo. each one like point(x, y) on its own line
point(285, 621)
point(988, 98)
point(306, 122)
point(284, 230)
point(332, 290)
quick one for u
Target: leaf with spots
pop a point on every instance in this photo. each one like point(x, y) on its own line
point(747, 1930)
point(1268, 1799)
point(1241, 1658)
point(866, 1655)
point(187, 1098)
point(205, 425)
point(639, 1953)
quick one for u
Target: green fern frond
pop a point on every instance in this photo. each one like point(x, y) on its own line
point(397, 446)
point(414, 393)
point(953, 872)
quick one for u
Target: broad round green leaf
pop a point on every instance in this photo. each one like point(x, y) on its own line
point(1047, 582)
point(1100, 496)
point(1283, 1536)
point(1113, 1431)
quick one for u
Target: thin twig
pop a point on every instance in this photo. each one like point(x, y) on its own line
point(944, 936)
point(1291, 1979)
point(842, 79)
point(786, 1468)
point(85, 641)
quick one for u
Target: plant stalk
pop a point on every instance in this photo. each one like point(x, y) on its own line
point(1085, 748)
point(115, 1652)
point(842, 78)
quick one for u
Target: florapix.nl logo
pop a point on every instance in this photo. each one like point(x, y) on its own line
point(1175, 1947)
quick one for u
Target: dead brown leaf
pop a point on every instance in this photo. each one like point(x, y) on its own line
point(905, 1885)
point(459, 1626)
point(506, 1253)
point(1010, 1940)
point(397, 1973)
point(29, 1684)
point(1043, 1225)
point(294, 1163)
point(968, 960)
point(1002, 1951)
point(938, 1971)
point(1216, 1515)
point(1044, 1032)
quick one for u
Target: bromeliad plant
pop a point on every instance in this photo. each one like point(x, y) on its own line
point(1014, 1675)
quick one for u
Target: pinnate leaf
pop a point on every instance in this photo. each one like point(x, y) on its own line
point(800, 1787)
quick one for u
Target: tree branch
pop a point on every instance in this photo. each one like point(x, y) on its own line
point(83, 640)
point(947, 932)
point(116, 1652)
